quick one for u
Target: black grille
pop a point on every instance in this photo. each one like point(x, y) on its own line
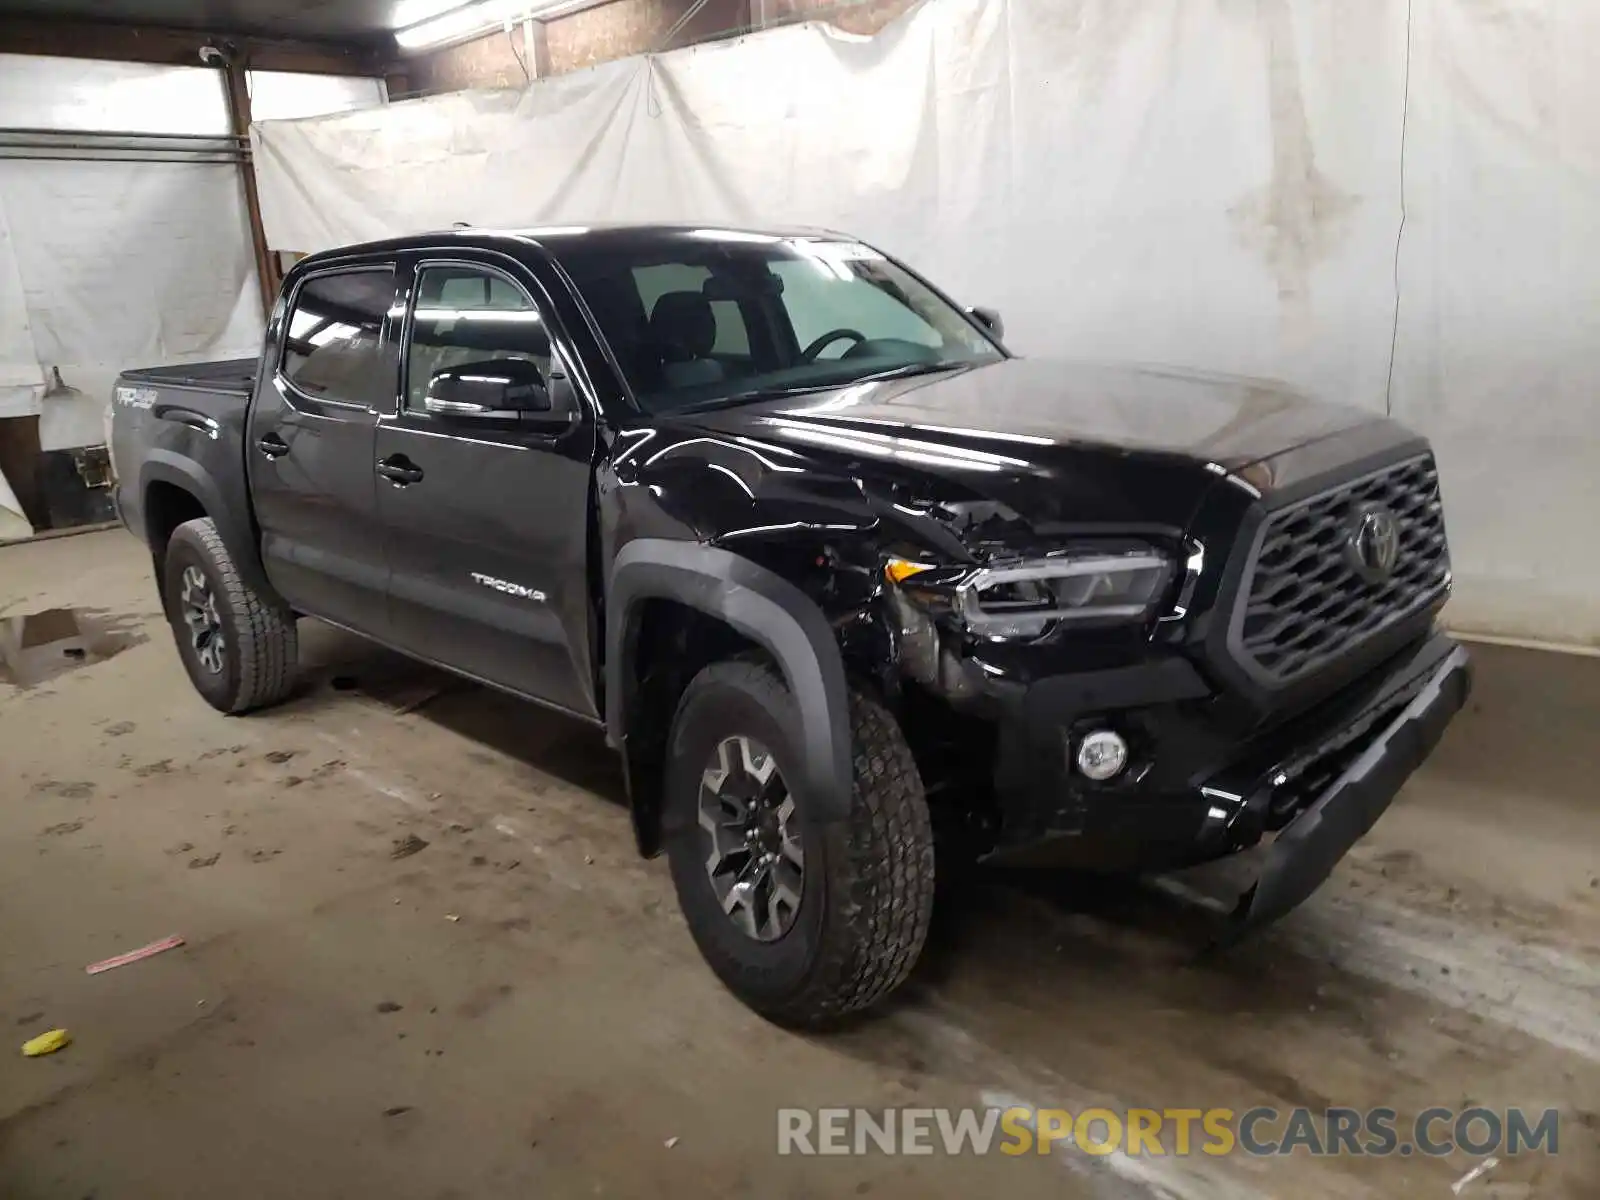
point(1305, 603)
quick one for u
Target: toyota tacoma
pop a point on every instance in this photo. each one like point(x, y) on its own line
point(833, 570)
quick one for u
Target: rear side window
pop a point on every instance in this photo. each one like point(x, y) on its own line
point(334, 348)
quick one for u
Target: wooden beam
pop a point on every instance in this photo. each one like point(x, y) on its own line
point(538, 38)
point(181, 47)
point(237, 88)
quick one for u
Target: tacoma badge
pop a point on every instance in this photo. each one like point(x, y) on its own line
point(510, 589)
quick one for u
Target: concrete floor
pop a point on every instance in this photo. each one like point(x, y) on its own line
point(553, 1038)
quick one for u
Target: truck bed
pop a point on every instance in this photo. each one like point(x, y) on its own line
point(233, 375)
point(181, 430)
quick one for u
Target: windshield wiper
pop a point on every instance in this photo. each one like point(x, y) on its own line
point(765, 393)
point(911, 369)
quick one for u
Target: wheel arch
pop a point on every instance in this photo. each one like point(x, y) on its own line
point(760, 610)
point(174, 489)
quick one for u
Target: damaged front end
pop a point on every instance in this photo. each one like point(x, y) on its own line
point(1115, 743)
point(1057, 631)
point(1014, 600)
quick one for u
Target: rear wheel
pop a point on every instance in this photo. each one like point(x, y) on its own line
point(805, 921)
point(239, 647)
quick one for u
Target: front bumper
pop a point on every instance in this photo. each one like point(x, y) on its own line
point(1203, 786)
point(1305, 853)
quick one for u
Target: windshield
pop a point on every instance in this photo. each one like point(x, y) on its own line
point(702, 317)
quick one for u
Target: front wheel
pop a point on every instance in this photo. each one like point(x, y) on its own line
point(805, 921)
point(239, 647)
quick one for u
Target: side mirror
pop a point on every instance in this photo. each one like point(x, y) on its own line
point(506, 388)
point(990, 320)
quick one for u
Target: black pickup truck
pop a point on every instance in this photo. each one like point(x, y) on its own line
point(833, 570)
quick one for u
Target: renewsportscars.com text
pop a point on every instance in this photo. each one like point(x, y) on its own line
point(1177, 1131)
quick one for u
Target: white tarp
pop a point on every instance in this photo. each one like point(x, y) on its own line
point(106, 265)
point(123, 265)
point(13, 524)
point(19, 369)
point(1215, 183)
point(19, 373)
point(289, 95)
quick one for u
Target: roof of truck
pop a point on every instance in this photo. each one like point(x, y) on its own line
point(628, 230)
point(610, 234)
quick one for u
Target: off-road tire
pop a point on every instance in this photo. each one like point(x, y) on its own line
point(868, 884)
point(260, 643)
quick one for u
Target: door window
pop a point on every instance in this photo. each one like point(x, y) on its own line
point(470, 315)
point(334, 347)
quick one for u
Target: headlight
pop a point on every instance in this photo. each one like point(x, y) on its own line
point(1023, 599)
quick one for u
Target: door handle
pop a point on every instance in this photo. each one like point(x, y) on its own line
point(273, 446)
point(399, 470)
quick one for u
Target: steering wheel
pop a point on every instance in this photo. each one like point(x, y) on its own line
point(810, 353)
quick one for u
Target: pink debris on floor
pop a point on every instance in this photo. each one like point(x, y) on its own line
point(133, 956)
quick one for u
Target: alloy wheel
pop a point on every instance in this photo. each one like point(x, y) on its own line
point(200, 615)
point(756, 862)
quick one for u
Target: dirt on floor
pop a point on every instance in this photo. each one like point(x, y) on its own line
point(422, 958)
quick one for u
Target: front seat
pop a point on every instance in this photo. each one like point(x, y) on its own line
point(684, 330)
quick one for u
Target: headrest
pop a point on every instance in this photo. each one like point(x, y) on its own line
point(684, 326)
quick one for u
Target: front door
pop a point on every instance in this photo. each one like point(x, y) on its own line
point(309, 446)
point(486, 519)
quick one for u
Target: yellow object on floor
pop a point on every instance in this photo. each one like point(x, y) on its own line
point(46, 1043)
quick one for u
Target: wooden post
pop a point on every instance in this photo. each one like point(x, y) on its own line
point(536, 47)
point(237, 83)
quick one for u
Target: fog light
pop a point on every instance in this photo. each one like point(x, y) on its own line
point(1102, 755)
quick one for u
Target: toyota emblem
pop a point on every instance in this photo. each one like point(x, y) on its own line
point(1374, 543)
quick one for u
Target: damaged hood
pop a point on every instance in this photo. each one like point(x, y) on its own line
point(1062, 445)
point(1223, 419)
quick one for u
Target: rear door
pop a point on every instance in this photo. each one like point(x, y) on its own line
point(487, 522)
point(309, 444)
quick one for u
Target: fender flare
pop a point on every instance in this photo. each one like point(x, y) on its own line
point(162, 466)
point(763, 607)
